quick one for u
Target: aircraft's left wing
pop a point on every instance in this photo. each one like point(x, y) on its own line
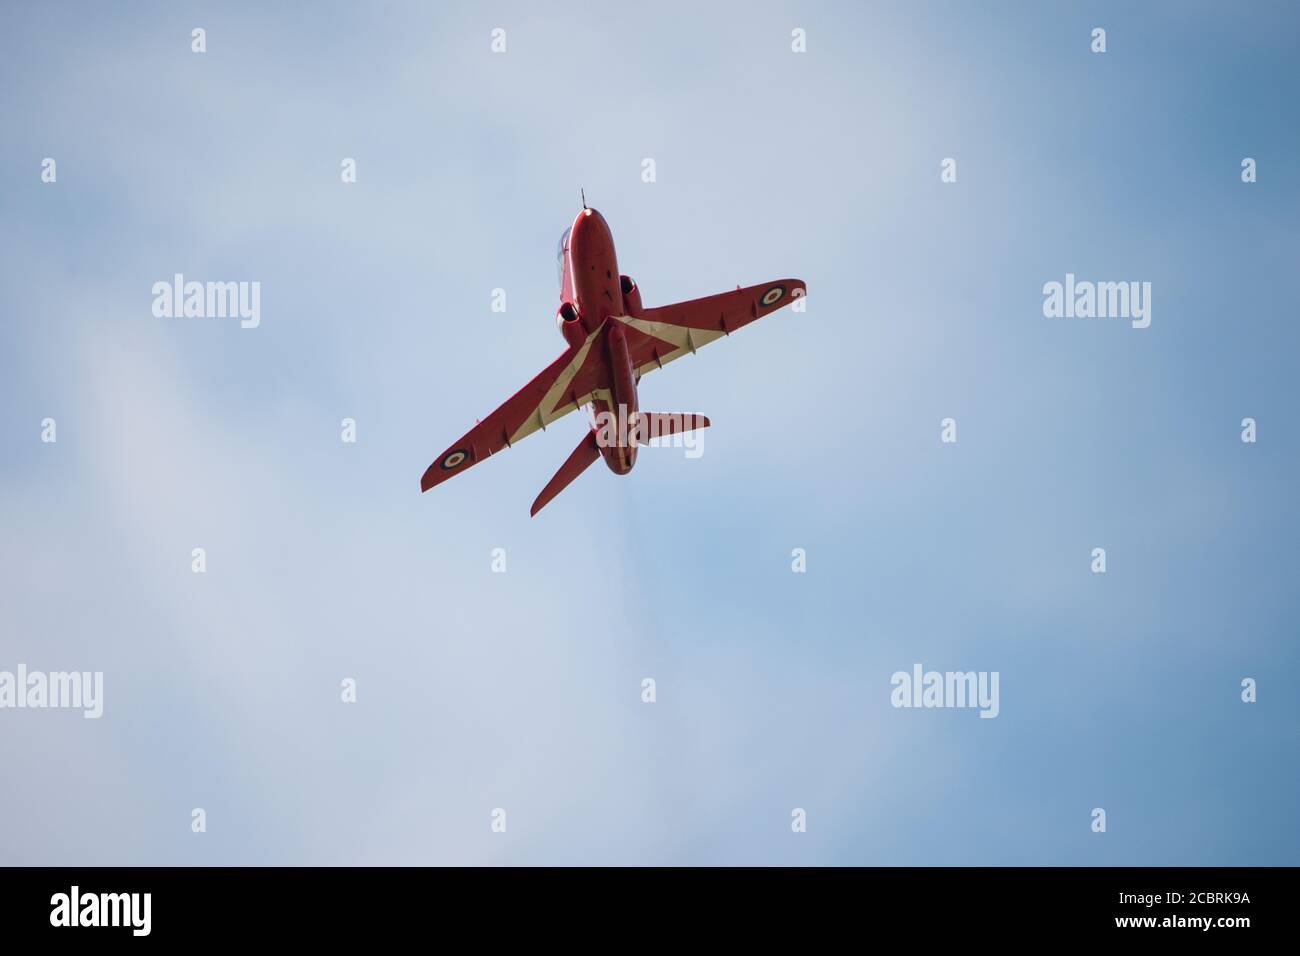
point(671, 331)
point(566, 384)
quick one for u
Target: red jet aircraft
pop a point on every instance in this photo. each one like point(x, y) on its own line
point(613, 341)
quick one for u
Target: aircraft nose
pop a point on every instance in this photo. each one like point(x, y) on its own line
point(589, 228)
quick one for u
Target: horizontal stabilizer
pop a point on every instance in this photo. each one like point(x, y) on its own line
point(659, 424)
point(579, 461)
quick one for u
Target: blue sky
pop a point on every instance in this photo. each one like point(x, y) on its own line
point(522, 690)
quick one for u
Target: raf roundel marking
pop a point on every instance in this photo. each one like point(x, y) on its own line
point(454, 458)
point(773, 295)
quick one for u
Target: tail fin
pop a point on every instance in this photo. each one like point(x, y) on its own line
point(579, 461)
point(659, 424)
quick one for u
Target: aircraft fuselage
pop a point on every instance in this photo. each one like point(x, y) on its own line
point(590, 282)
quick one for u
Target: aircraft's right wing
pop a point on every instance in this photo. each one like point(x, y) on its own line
point(569, 382)
point(671, 331)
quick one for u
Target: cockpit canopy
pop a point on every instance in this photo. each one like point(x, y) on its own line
point(559, 255)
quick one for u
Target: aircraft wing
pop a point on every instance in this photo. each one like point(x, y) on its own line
point(670, 331)
point(572, 380)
